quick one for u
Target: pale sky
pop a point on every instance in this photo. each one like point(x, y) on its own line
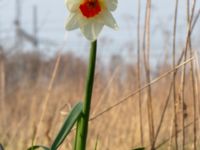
point(52, 15)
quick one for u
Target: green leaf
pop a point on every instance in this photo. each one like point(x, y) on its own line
point(139, 148)
point(67, 126)
point(37, 147)
point(77, 130)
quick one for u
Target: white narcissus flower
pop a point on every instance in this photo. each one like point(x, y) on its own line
point(90, 16)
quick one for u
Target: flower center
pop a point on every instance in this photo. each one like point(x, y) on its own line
point(90, 8)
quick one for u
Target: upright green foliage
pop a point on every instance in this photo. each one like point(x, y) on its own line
point(67, 126)
point(72, 118)
point(80, 113)
point(82, 130)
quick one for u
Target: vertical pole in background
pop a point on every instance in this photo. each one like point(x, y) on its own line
point(35, 29)
point(17, 23)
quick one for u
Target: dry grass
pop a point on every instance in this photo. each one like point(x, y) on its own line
point(132, 103)
point(117, 128)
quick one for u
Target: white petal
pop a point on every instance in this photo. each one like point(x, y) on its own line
point(72, 22)
point(91, 30)
point(72, 5)
point(109, 20)
point(83, 21)
point(111, 4)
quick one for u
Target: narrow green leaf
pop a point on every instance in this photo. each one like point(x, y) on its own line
point(37, 147)
point(77, 130)
point(139, 148)
point(67, 126)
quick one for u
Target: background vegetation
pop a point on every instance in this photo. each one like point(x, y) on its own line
point(135, 101)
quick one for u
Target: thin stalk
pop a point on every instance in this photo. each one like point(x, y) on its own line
point(171, 133)
point(183, 102)
point(146, 51)
point(174, 74)
point(76, 136)
point(123, 100)
point(2, 86)
point(139, 73)
point(194, 99)
point(197, 75)
point(188, 45)
point(183, 83)
point(195, 19)
point(83, 126)
point(46, 99)
point(192, 75)
point(183, 80)
point(178, 65)
point(166, 104)
point(179, 131)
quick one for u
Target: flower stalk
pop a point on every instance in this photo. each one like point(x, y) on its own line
point(82, 127)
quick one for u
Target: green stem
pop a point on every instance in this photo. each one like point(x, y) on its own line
point(83, 124)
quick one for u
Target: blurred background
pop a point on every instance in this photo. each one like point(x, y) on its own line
point(43, 67)
point(27, 25)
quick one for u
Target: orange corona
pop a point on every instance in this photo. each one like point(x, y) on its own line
point(90, 8)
